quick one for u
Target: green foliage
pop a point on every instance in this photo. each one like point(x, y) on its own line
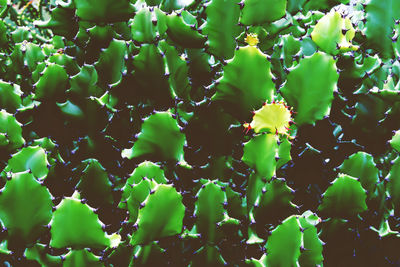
point(361, 165)
point(81, 257)
point(110, 66)
point(160, 136)
point(275, 201)
point(381, 16)
point(244, 90)
point(181, 32)
point(169, 123)
point(10, 132)
point(161, 216)
point(74, 224)
point(395, 142)
point(178, 71)
point(32, 159)
point(328, 33)
point(104, 10)
point(94, 184)
point(209, 211)
point(311, 98)
point(393, 183)
point(221, 28)
point(38, 253)
point(258, 12)
point(344, 198)
point(26, 207)
point(295, 242)
point(142, 27)
point(260, 154)
point(52, 83)
point(283, 245)
point(313, 246)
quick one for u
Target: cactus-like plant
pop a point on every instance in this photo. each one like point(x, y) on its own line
point(26, 208)
point(153, 133)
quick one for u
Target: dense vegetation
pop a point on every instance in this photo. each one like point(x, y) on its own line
point(199, 133)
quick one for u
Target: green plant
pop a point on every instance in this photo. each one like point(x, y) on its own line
point(199, 133)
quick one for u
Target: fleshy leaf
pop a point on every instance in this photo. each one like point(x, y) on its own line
point(209, 210)
point(260, 11)
point(328, 34)
point(260, 152)
point(161, 216)
point(344, 198)
point(221, 27)
point(283, 245)
point(361, 165)
point(10, 132)
point(31, 158)
point(243, 90)
point(25, 207)
point(160, 137)
point(75, 225)
point(310, 86)
point(81, 258)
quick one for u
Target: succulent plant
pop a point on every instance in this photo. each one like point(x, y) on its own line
point(199, 133)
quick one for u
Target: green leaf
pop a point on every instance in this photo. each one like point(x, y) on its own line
point(395, 141)
point(10, 97)
point(222, 27)
point(260, 153)
point(33, 55)
point(178, 71)
point(52, 84)
point(160, 137)
point(81, 257)
point(95, 185)
point(344, 198)
point(3, 34)
point(25, 207)
point(361, 165)
point(149, 73)
point(145, 170)
point(62, 20)
point(261, 11)
point(243, 90)
point(104, 10)
point(142, 27)
point(11, 131)
point(313, 246)
point(309, 87)
point(380, 20)
point(254, 188)
point(328, 34)
point(138, 193)
point(75, 225)
point(182, 33)
point(71, 110)
point(83, 84)
point(209, 210)
point(67, 62)
point(31, 158)
point(38, 252)
point(284, 152)
point(111, 64)
point(275, 201)
point(283, 245)
point(393, 185)
point(3, 8)
point(161, 216)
